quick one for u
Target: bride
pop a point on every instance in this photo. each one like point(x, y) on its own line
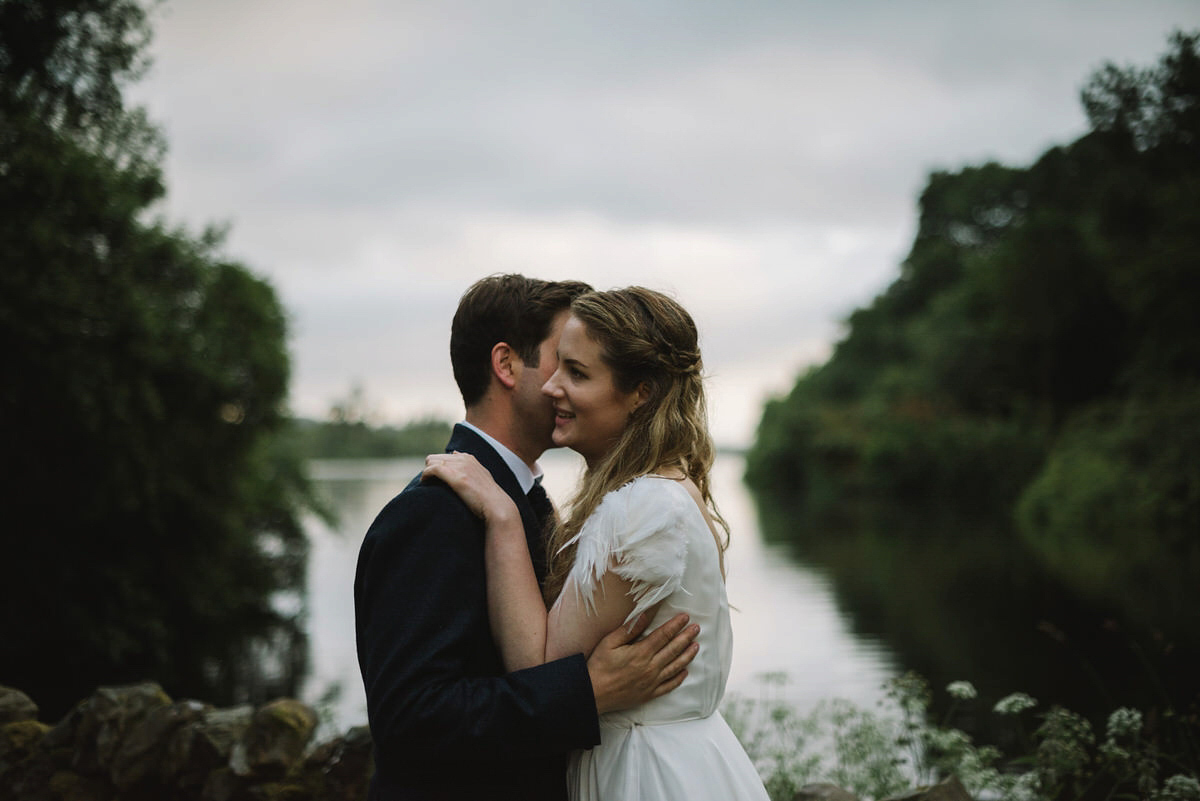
point(642, 535)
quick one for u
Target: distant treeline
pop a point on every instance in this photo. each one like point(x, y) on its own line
point(1036, 361)
point(342, 439)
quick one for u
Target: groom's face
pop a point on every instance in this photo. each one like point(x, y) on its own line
point(534, 410)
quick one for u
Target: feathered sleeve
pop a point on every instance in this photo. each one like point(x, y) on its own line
point(638, 532)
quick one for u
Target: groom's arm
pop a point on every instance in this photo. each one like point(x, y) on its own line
point(426, 653)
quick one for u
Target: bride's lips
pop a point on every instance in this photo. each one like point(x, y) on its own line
point(562, 416)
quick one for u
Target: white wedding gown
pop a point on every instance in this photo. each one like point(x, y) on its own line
point(652, 533)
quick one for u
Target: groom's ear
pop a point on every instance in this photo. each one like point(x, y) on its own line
point(504, 365)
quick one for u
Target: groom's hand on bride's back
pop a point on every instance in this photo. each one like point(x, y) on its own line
point(626, 672)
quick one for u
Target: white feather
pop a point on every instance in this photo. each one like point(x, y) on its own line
point(637, 532)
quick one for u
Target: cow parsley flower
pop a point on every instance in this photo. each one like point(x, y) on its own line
point(962, 690)
point(1014, 704)
point(1124, 723)
point(1179, 788)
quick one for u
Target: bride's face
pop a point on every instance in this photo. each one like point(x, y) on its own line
point(590, 412)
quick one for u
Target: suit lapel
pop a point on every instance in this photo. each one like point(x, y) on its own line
point(467, 441)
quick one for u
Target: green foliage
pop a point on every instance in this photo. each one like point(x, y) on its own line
point(1037, 358)
point(856, 462)
point(153, 514)
point(883, 752)
point(1116, 508)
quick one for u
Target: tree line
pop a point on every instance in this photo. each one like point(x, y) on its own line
point(353, 430)
point(1037, 359)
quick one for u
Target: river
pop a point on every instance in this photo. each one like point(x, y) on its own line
point(786, 620)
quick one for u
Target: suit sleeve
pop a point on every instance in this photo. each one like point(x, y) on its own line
point(426, 652)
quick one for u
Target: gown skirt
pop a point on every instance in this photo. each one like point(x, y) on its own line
point(697, 759)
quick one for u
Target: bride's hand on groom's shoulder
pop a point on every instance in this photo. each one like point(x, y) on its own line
point(472, 482)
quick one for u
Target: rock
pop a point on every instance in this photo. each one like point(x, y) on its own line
point(19, 739)
point(343, 765)
point(198, 748)
point(133, 743)
point(950, 789)
point(16, 706)
point(275, 742)
point(823, 792)
point(139, 760)
point(95, 727)
point(225, 785)
point(68, 786)
point(281, 791)
point(20, 764)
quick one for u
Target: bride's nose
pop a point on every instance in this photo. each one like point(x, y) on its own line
point(551, 386)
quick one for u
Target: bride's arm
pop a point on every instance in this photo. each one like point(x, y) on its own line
point(525, 634)
point(573, 628)
point(515, 608)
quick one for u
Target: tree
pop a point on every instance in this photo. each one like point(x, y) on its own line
point(1034, 302)
point(154, 519)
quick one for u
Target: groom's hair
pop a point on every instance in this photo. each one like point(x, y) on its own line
point(504, 308)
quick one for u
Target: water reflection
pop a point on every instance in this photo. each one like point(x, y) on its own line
point(958, 599)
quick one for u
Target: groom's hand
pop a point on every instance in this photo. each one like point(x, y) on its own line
point(626, 672)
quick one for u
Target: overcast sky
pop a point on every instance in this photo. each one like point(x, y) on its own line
point(760, 160)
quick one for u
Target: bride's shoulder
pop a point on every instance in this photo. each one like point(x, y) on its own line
point(649, 485)
point(645, 496)
point(640, 532)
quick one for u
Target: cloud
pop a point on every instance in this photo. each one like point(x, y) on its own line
point(761, 160)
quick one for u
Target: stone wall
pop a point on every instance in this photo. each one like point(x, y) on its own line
point(135, 742)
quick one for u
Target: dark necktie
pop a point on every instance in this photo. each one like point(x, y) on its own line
point(543, 509)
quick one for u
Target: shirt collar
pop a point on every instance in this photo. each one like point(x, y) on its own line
point(524, 475)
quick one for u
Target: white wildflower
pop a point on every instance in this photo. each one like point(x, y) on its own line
point(1124, 723)
point(1014, 704)
point(1179, 788)
point(947, 740)
point(962, 690)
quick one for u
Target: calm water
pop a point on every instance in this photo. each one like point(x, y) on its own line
point(786, 618)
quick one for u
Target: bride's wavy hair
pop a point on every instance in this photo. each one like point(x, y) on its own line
point(646, 338)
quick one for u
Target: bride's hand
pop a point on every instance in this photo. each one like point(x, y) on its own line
point(473, 483)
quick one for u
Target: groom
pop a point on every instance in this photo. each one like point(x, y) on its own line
point(447, 722)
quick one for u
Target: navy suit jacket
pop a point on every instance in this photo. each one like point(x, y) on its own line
point(447, 722)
